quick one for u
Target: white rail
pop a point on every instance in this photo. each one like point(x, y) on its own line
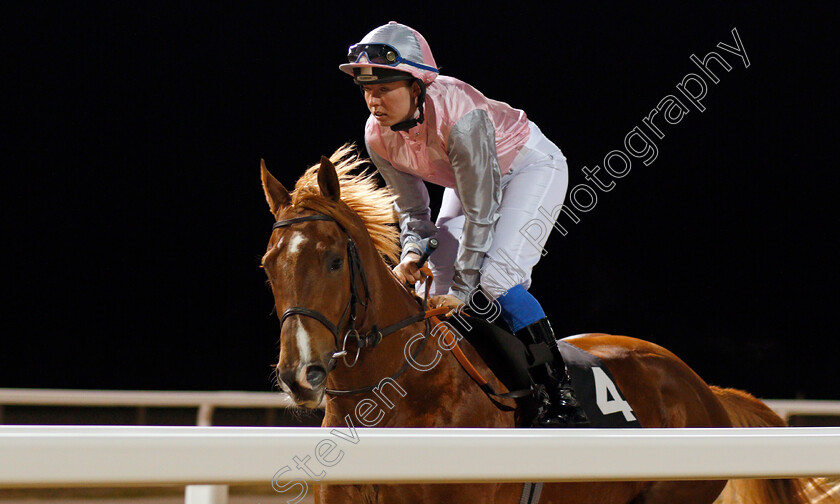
point(207, 402)
point(787, 408)
point(118, 456)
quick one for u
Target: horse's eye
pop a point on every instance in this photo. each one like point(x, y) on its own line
point(336, 264)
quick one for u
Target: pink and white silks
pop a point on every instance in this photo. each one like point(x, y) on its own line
point(498, 169)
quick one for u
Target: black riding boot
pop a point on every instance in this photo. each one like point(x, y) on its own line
point(560, 407)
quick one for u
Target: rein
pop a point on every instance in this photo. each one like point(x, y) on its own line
point(375, 335)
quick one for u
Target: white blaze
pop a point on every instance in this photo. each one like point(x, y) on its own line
point(303, 343)
point(295, 242)
point(302, 337)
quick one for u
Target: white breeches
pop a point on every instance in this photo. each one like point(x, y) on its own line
point(538, 178)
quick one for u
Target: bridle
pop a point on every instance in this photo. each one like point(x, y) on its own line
point(364, 339)
point(356, 273)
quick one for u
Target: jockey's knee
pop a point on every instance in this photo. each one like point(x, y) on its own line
point(498, 277)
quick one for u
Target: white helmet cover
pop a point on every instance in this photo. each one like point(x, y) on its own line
point(415, 56)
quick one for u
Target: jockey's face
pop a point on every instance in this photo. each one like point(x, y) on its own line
point(391, 102)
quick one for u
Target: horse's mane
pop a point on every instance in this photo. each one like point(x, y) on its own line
point(360, 191)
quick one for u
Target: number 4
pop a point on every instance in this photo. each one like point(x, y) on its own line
point(604, 390)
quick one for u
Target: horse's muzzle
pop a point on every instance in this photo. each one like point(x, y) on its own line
point(305, 384)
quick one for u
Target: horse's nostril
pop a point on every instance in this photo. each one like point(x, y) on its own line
point(316, 375)
point(287, 377)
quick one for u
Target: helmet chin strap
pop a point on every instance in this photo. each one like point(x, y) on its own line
point(410, 123)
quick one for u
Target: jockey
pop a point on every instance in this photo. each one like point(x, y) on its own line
point(498, 170)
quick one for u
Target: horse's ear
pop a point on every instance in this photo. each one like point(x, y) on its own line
point(276, 195)
point(328, 180)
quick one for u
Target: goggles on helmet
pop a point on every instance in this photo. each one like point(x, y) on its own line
point(381, 54)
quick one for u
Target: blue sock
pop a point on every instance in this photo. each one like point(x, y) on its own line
point(520, 308)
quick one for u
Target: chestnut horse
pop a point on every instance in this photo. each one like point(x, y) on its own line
point(335, 294)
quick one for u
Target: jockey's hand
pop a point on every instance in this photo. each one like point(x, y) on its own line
point(447, 300)
point(407, 271)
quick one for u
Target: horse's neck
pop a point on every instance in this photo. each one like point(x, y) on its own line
point(433, 391)
point(390, 303)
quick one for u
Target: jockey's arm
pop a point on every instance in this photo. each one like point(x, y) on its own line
point(472, 153)
point(411, 205)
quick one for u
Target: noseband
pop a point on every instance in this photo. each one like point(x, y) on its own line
point(369, 338)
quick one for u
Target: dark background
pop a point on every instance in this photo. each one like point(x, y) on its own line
point(134, 220)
